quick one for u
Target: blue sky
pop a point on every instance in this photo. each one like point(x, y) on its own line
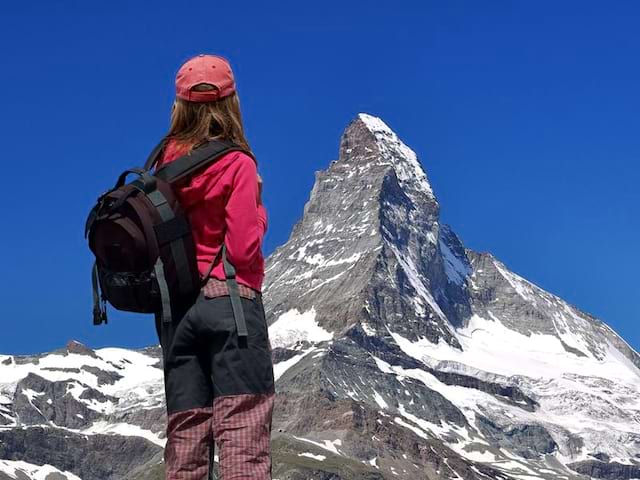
point(524, 114)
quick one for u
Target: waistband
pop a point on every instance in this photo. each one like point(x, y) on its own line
point(217, 288)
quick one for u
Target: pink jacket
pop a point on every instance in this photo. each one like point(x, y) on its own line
point(222, 199)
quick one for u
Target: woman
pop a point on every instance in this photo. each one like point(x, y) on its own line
point(218, 386)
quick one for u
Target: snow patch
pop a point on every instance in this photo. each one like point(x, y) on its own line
point(124, 429)
point(415, 279)
point(456, 270)
point(292, 327)
point(281, 367)
point(379, 400)
point(18, 469)
point(490, 346)
point(330, 445)
point(311, 455)
point(405, 161)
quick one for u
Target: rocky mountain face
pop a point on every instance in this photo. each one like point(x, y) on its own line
point(76, 413)
point(399, 353)
point(423, 359)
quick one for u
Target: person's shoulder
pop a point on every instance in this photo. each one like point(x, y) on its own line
point(228, 161)
point(229, 165)
point(244, 156)
point(241, 160)
point(170, 152)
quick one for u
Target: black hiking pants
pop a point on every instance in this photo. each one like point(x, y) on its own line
point(219, 387)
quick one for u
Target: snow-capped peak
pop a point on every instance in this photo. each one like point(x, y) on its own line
point(375, 124)
point(403, 159)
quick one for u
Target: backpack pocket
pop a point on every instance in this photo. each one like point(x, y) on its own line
point(131, 291)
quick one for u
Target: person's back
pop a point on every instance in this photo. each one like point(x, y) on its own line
point(219, 203)
point(219, 383)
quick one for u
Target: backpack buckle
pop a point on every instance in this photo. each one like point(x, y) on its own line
point(100, 313)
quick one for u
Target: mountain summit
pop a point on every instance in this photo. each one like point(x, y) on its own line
point(400, 349)
point(399, 354)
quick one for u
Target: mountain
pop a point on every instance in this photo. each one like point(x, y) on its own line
point(399, 353)
point(81, 413)
point(403, 351)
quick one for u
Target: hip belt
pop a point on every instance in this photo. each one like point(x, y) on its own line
point(219, 288)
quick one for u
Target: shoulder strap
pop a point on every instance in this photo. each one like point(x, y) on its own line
point(199, 157)
point(155, 154)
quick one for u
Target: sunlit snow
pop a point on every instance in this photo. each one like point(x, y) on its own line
point(293, 326)
point(18, 469)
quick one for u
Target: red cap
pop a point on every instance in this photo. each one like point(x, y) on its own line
point(211, 69)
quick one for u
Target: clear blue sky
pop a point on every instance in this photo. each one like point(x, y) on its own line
point(525, 115)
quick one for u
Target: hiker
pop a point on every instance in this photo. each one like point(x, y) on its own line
point(219, 385)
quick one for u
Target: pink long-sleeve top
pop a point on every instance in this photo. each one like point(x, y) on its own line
point(221, 202)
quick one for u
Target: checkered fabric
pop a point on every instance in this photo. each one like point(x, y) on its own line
point(189, 435)
point(242, 430)
point(241, 427)
point(217, 288)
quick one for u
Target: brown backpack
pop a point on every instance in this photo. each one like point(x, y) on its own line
point(141, 238)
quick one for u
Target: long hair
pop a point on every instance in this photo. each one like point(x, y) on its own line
point(193, 123)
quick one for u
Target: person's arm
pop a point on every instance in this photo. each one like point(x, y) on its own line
point(246, 219)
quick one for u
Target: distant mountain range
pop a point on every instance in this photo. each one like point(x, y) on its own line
point(400, 354)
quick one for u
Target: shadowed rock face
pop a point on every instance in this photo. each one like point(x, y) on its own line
point(399, 353)
point(528, 441)
point(39, 401)
point(109, 457)
point(607, 470)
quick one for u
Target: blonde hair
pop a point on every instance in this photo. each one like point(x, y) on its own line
point(193, 123)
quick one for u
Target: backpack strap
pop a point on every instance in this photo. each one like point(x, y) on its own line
point(175, 238)
point(234, 294)
point(199, 157)
point(232, 285)
point(99, 311)
point(155, 154)
point(211, 265)
point(164, 291)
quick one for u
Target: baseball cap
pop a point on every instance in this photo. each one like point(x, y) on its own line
point(202, 68)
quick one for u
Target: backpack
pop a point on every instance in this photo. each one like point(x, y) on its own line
point(144, 251)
